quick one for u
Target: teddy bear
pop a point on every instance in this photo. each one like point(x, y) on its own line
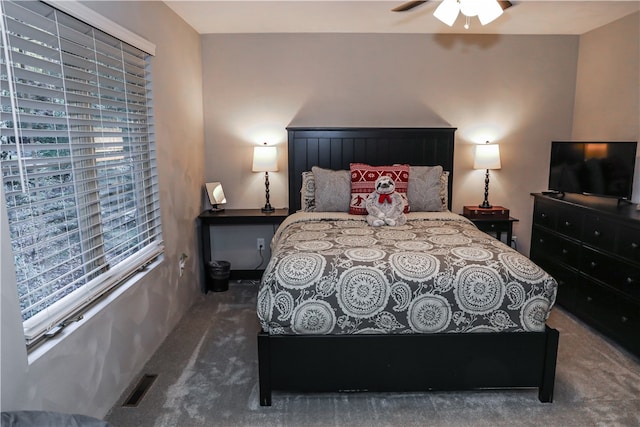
point(384, 205)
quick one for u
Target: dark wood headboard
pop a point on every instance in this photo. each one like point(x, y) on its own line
point(336, 148)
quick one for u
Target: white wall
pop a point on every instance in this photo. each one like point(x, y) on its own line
point(607, 105)
point(238, 245)
point(13, 354)
point(514, 90)
point(91, 363)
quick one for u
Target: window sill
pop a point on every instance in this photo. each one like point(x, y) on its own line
point(101, 304)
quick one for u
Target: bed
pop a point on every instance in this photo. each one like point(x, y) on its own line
point(419, 326)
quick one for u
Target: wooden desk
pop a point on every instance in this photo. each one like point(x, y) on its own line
point(226, 217)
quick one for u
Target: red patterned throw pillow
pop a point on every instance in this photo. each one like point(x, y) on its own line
point(363, 179)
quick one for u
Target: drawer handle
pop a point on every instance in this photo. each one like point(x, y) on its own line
point(593, 264)
point(541, 240)
point(564, 251)
point(589, 299)
point(493, 226)
point(634, 245)
point(543, 215)
point(560, 282)
point(629, 280)
point(624, 319)
point(596, 233)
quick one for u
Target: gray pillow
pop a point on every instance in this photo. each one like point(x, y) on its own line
point(333, 190)
point(424, 189)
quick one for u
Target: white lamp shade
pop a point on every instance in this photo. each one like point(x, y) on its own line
point(265, 159)
point(488, 10)
point(487, 157)
point(448, 11)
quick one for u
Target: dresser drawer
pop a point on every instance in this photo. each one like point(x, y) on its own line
point(599, 232)
point(544, 214)
point(569, 222)
point(554, 248)
point(489, 226)
point(616, 273)
point(612, 314)
point(629, 243)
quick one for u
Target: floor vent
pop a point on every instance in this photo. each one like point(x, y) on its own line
point(140, 390)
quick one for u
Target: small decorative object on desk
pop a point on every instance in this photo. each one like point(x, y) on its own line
point(494, 212)
point(216, 196)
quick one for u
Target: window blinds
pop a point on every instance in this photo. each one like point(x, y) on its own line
point(78, 160)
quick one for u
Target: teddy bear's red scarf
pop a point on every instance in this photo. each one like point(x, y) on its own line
point(384, 198)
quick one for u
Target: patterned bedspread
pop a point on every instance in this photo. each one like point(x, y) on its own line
point(331, 273)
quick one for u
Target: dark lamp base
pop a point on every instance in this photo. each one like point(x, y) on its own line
point(268, 209)
point(485, 205)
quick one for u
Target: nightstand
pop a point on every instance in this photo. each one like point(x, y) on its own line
point(496, 225)
point(231, 217)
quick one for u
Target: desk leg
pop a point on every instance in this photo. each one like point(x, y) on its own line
point(510, 235)
point(205, 240)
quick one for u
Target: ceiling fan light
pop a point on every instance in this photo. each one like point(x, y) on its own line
point(488, 11)
point(470, 7)
point(447, 12)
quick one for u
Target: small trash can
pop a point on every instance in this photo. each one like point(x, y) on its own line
point(219, 272)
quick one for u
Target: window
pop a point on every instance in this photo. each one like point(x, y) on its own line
point(77, 158)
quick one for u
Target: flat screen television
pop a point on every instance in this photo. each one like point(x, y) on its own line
point(594, 168)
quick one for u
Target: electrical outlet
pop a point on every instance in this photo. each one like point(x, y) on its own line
point(260, 244)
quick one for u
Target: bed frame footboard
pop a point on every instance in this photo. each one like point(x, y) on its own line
point(394, 363)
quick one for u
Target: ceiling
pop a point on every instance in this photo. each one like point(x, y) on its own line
point(363, 16)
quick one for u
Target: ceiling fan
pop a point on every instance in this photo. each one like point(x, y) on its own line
point(447, 12)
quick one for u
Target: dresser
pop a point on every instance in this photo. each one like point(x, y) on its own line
point(592, 248)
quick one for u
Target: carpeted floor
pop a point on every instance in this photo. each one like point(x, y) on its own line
point(207, 376)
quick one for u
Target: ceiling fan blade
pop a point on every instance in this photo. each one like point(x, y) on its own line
point(404, 7)
point(408, 6)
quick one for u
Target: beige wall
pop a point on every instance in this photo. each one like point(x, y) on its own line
point(94, 361)
point(608, 85)
point(514, 90)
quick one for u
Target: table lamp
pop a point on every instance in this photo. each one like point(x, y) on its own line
point(265, 159)
point(487, 157)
